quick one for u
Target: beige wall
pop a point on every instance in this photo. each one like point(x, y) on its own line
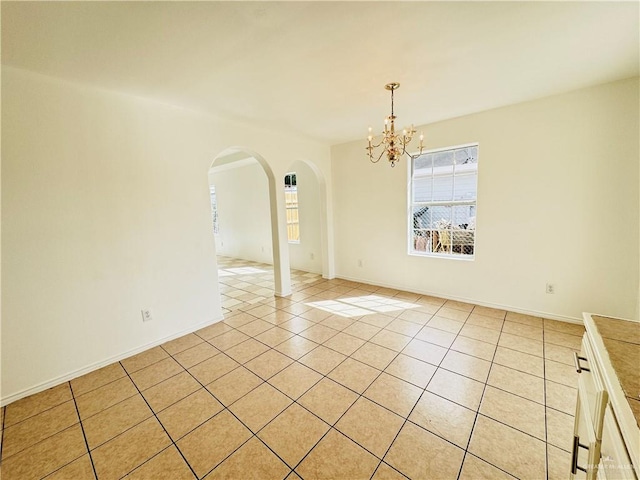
point(557, 202)
point(105, 211)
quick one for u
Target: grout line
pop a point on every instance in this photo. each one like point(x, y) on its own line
point(84, 435)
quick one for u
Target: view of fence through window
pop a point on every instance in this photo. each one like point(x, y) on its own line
point(214, 210)
point(443, 202)
point(291, 201)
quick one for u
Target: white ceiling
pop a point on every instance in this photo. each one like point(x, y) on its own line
point(318, 68)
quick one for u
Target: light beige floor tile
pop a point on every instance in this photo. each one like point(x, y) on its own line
point(144, 359)
point(524, 319)
point(458, 389)
point(411, 369)
point(79, 469)
point(268, 364)
point(374, 355)
point(447, 324)
point(475, 469)
point(419, 315)
point(36, 428)
point(34, 404)
point(260, 406)
point(485, 321)
point(430, 300)
point(427, 352)
point(315, 315)
point(181, 343)
point(385, 472)
point(404, 327)
point(261, 310)
point(275, 336)
point(393, 393)
point(182, 417)
point(563, 339)
point(297, 308)
point(255, 328)
point(435, 336)
point(210, 443)
point(129, 450)
point(354, 375)
point(518, 383)
point(515, 411)
point(167, 464)
point(480, 333)
point(297, 324)
point(47, 456)
point(392, 340)
point(493, 442)
point(248, 350)
point(475, 348)
point(105, 425)
point(86, 383)
point(521, 344)
point(463, 364)
point(377, 320)
point(343, 343)
point(558, 354)
point(521, 330)
point(296, 347)
point(322, 359)
point(446, 419)
point(104, 397)
point(295, 380)
point(213, 368)
point(278, 317)
point(170, 391)
point(156, 373)
point(559, 463)
point(452, 314)
point(318, 333)
point(370, 426)
point(228, 340)
point(362, 330)
point(420, 454)
point(293, 433)
point(489, 312)
point(328, 400)
point(523, 362)
point(561, 397)
point(240, 319)
point(564, 327)
point(559, 429)
point(214, 330)
point(337, 457)
point(234, 385)
point(192, 356)
point(561, 373)
point(251, 461)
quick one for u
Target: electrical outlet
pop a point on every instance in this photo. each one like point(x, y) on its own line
point(360, 262)
point(551, 288)
point(146, 315)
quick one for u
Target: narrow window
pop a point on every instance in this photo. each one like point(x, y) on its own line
point(442, 202)
point(214, 210)
point(291, 201)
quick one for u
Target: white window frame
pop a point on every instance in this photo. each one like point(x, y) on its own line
point(411, 204)
point(296, 207)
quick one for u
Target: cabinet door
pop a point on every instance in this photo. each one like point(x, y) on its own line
point(586, 447)
point(614, 461)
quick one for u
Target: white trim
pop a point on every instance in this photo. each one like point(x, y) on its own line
point(103, 363)
point(509, 308)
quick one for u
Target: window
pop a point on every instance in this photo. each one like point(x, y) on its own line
point(214, 210)
point(291, 201)
point(442, 213)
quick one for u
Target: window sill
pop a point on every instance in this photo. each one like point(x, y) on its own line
point(465, 258)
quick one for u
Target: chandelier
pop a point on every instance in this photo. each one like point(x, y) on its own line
point(394, 145)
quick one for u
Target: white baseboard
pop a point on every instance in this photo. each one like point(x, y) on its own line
point(103, 363)
point(510, 308)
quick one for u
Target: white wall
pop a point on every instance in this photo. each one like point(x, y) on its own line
point(309, 210)
point(242, 194)
point(557, 202)
point(105, 210)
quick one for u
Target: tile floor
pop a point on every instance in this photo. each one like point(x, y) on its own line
point(341, 380)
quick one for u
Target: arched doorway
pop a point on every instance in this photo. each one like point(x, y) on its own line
point(236, 158)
